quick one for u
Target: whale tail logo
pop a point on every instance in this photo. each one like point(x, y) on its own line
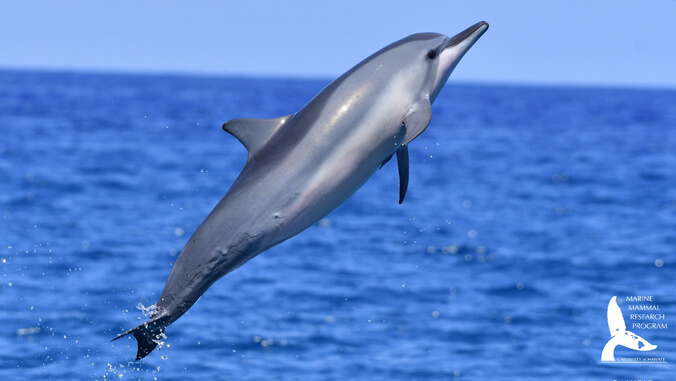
point(620, 336)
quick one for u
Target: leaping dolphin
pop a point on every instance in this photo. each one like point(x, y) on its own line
point(302, 166)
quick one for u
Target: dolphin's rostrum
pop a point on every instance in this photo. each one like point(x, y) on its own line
point(302, 166)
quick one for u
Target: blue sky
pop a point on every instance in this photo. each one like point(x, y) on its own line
point(590, 42)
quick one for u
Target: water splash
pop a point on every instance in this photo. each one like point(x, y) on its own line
point(159, 340)
point(147, 311)
point(131, 369)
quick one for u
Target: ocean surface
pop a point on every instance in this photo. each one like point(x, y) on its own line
point(528, 209)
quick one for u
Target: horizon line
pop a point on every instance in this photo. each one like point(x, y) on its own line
point(327, 78)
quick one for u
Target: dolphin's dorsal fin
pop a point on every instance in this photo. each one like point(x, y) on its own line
point(615, 318)
point(254, 133)
point(402, 162)
point(417, 119)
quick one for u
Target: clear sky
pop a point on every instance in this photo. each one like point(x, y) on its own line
point(591, 42)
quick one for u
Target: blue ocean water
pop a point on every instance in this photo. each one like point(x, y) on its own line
point(528, 209)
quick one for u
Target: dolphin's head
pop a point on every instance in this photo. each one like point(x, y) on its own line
point(428, 59)
point(447, 54)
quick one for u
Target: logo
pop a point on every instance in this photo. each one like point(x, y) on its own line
point(619, 336)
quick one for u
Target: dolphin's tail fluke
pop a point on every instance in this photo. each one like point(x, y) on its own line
point(148, 336)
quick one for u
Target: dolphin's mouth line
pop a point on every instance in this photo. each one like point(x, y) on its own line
point(451, 50)
point(465, 34)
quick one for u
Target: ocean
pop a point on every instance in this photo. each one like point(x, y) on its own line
point(528, 209)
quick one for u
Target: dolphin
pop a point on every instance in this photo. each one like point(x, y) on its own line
point(300, 167)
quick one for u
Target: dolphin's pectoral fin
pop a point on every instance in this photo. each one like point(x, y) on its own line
point(402, 162)
point(417, 119)
point(385, 161)
point(254, 133)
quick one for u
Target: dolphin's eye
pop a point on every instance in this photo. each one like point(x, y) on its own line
point(432, 54)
